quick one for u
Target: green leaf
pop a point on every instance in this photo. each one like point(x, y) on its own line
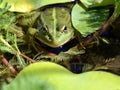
point(116, 12)
point(5, 49)
point(87, 22)
point(30, 83)
point(96, 3)
point(46, 74)
point(29, 5)
point(6, 20)
point(41, 3)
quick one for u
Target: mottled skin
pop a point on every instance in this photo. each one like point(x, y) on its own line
point(55, 28)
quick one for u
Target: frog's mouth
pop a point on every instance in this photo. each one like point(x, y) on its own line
point(51, 41)
point(59, 49)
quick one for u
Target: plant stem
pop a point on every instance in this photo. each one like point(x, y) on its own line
point(4, 60)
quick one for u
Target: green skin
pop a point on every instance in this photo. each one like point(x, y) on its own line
point(55, 28)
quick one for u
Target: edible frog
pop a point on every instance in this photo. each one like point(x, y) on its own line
point(54, 25)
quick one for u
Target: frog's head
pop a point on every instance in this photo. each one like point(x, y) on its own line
point(55, 27)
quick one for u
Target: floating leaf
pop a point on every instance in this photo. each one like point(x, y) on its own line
point(96, 3)
point(87, 22)
point(29, 5)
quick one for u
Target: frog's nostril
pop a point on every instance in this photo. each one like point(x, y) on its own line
point(45, 28)
point(64, 28)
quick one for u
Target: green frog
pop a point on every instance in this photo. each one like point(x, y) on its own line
point(54, 26)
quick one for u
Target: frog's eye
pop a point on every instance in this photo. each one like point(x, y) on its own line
point(64, 28)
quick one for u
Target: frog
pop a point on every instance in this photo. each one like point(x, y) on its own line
point(52, 29)
point(54, 26)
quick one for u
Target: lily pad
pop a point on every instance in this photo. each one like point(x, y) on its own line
point(87, 22)
point(96, 3)
point(29, 5)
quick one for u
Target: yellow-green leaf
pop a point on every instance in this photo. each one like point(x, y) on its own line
point(29, 5)
point(60, 78)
